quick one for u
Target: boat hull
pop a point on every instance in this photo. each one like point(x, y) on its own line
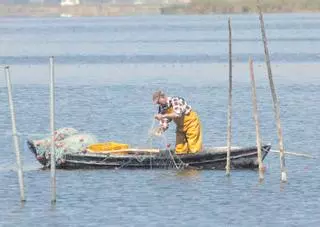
point(241, 158)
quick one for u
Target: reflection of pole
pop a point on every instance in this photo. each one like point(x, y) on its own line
point(52, 157)
point(15, 135)
point(256, 119)
point(276, 107)
point(229, 101)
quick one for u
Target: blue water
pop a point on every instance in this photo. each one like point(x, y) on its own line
point(106, 71)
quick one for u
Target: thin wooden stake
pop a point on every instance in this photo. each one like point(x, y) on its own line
point(229, 101)
point(15, 135)
point(52, 128)
point(276, 107)
point(256, 119)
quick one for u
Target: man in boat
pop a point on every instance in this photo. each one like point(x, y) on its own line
point(188, 132)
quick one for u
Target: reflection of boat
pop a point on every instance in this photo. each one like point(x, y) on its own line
point(215, 158)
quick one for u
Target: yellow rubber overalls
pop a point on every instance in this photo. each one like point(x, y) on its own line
point(188, 133)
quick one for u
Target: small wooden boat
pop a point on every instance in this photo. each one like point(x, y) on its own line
point(214, 158)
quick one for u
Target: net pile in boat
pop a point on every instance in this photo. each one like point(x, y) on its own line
point(67, 141)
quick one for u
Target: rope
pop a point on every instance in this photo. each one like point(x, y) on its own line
point(181, 164)
point(150, 138)
point(151, 133)
point(295, 154)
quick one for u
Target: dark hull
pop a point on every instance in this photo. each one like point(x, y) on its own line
point(241, 158)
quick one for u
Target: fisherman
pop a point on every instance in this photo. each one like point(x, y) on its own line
point(188, 132)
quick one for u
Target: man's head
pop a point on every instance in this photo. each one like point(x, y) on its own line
point(159, 97)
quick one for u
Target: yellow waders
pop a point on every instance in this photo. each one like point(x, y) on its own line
point(188, 133)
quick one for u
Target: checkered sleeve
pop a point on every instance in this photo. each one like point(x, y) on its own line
point(179, 106)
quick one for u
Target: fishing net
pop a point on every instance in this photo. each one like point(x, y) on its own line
point(67, 141)
point(169, 158)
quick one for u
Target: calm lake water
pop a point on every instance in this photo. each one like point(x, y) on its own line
point(106, 71)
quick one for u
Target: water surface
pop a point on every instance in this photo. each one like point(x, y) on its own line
point(106, 71)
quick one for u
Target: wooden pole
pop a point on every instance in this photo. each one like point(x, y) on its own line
point(256, 119)
point(15, 135)
point(52, 111)
point(276, 107)
point(229, 101)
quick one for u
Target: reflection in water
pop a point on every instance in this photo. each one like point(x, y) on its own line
point(22, 204)
point(283, 186)
point(188, 174)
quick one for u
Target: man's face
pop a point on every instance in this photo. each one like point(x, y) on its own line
point(162, 100)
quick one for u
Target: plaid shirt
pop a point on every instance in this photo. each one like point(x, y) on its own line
point(179, 106)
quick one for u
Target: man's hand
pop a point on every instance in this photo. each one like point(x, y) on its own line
point(158, 117)
point(158, 131)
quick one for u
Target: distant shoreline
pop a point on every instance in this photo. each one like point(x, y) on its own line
point(196, 7)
